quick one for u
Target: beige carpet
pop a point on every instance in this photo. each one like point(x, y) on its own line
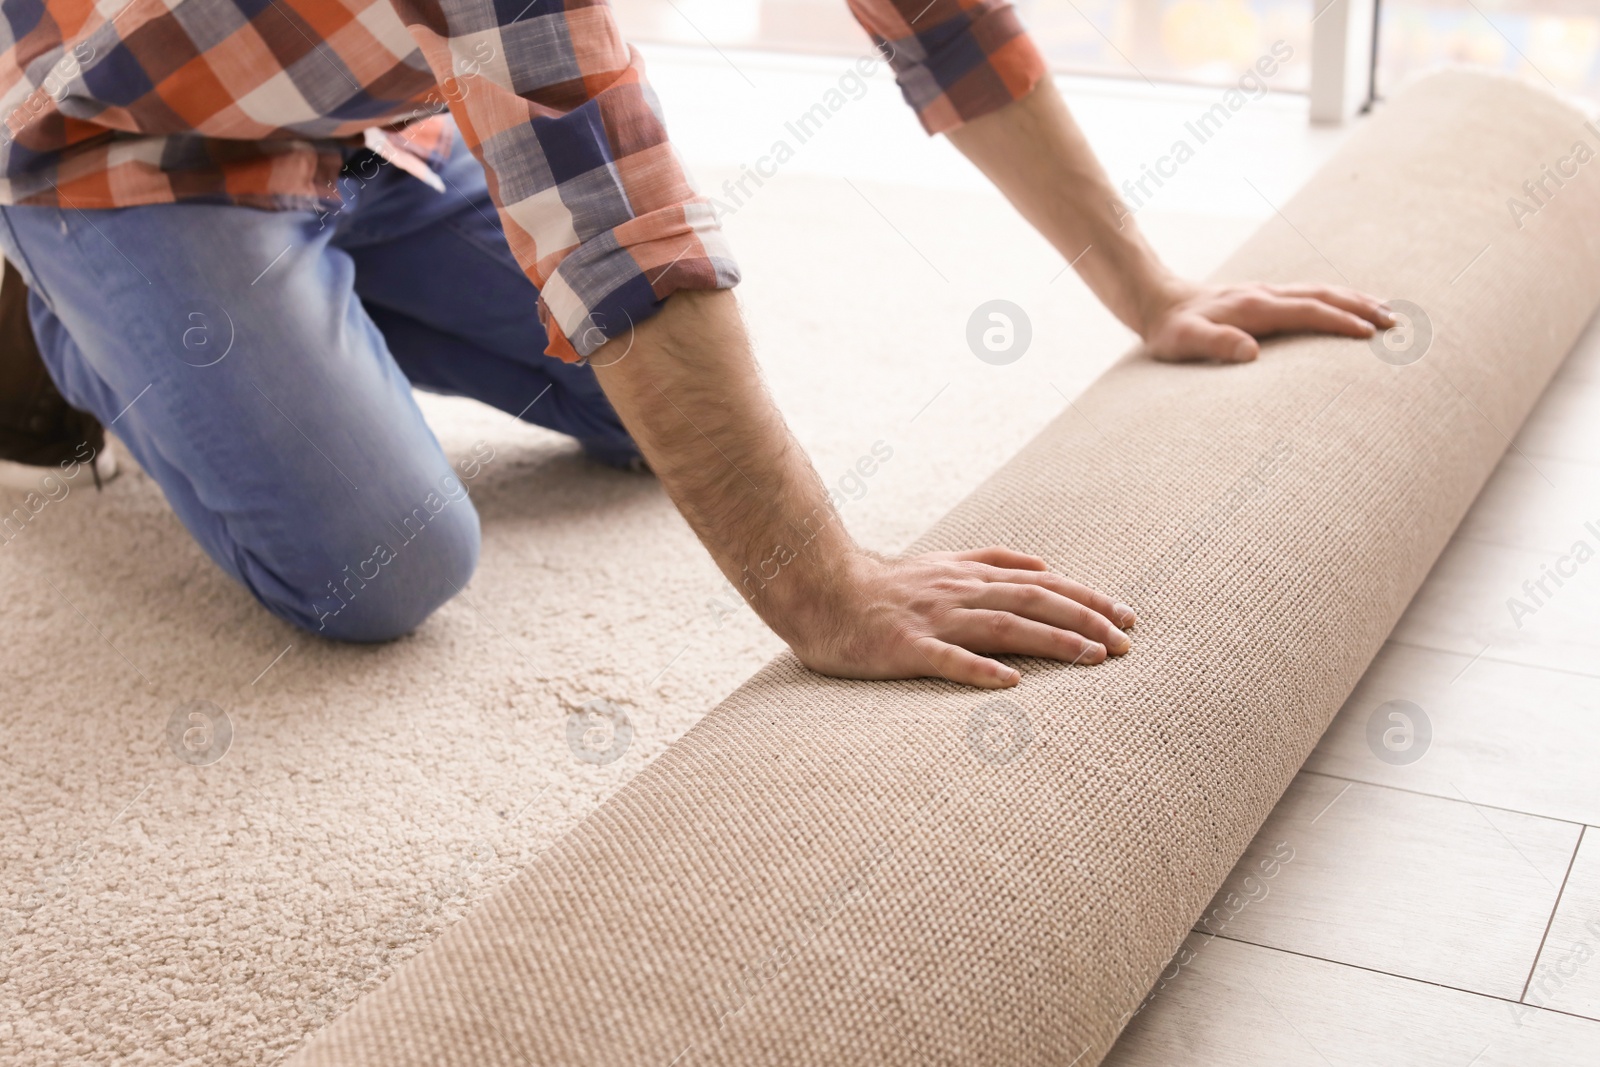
point(912, 873)
point(156, 912)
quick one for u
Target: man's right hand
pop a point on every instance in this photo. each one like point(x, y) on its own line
point(687, 387)
point(936, 615)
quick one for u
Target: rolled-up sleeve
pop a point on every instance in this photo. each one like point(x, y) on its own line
point(596, 204)
point(955, 60)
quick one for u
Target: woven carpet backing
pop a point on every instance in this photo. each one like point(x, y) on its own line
point(835, 872)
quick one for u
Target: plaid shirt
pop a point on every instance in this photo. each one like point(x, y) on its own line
point(118, 103)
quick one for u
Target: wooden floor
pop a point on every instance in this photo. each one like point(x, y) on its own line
point(1440, 906)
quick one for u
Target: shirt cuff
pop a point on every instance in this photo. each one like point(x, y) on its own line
point(612, 282)
point(972, 62)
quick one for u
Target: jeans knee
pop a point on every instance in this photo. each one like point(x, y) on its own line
point(400, 581)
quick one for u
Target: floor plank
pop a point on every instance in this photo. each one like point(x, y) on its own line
point(1238, 1005)
point(1564, 425)
point(1506, 735)
point(1484, 599)
point(1536, 502)
point(1422, 887)
point(1568, 975)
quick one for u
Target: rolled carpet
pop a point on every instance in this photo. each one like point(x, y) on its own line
point(835, 872)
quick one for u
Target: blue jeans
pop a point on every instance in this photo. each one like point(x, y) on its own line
point(259, 365)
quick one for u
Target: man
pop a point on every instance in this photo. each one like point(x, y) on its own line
point(228, 212)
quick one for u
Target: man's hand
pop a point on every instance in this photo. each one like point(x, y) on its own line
point(1222, 322)
point(939, 613)
point(1034, 152)
point(687, 387)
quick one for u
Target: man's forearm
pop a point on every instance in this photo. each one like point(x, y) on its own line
point(1033, 150)
point(1037, 156)
point(688, 388)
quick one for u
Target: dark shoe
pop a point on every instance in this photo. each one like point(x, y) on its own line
point(40, 433)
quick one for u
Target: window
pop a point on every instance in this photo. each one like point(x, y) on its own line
point(1553, 41)
point(1208, 42)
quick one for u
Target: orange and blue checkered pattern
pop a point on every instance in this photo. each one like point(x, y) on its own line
point(119, 103)
point(955, 60)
